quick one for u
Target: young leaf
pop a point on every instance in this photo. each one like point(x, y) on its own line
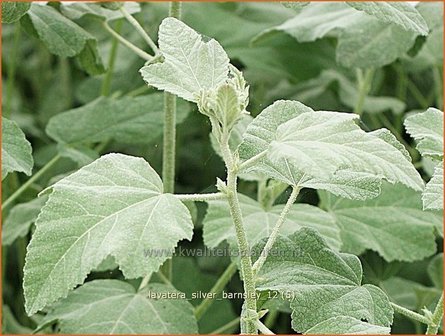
point(321, 283)
point(20, 218)
point(400, 13)
point(427, 129)
point(304, 146)
point(393, 224)
point(16, 150)
point(433, 194)
point(126, 120)
point(258, 222)
point(12, 11)
point(190, 65)
point(372, 44)
point(114, 307)
point(114, 206)
point(76, 10)
point(64, 38)
point(345, 325)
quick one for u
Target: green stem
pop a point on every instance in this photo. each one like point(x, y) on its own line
point(273, 236)
point(271, 318)
point(433, 327)
point(438, 84)
point(176, 9)
point(12, 69)
point(28, 183)
point(200, 197)
point(225, 327)
point(139, 29)
point(128, 44)
point(216, 289)
point(364, 86)
point(410, 314)
point(106, 84)
point(138, 91)
point(264, 330)
point(417, 95)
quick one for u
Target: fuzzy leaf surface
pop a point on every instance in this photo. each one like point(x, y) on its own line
point(343, 325)
point(12, 11)
point(433, 194)
point(114, 307)
point(16, 150)
point(76, 10)
point(324, 284)
point(393, 224)
point(126, 120)
point(258, 222)
point(400, 13)
point(190, 64)
point(114, 206)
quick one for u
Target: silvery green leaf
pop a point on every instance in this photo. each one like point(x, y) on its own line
point(393, 224)
point(190, 65)
point(126, 120)
point(321, 283)
point(347, 179)
point(402, 14)
point(80, 154)
point(20, 219)
point(433, 194)
point(347, 325)
point(16, 150)
point(296, 5)
point(315, 21)
point(431, 53)
point(258, 222)
point(64, 38)
point(12, 11)
point(370, 43)
point(114, 307)
point(435, 270)
point(432, 12)
point(76, 10)
point(427, 129)
point(114, 206)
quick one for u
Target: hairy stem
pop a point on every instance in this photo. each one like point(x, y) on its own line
point(410, 314)
point(216, 289)
point(200, 197)
point(28, 183)
point(139, 29)
point(243, 244)
point(169, 142)
point(273, 236)
point(106, 84)
point(364, 82)
point(225, 327)
point(433, 327)
point(128, 44)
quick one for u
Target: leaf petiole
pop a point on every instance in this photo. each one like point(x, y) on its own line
point(410, 314)
point(433, 326)
point(263, 329)
point(200, 197)
point(128, 44)
point(252, 161)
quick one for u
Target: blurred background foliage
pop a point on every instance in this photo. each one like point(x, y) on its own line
point(39, 85)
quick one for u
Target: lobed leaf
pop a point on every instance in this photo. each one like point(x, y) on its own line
point(16, 150)
point(324, 150)
point(259, 222)
point(400, 13)
point(126, 120)
point(427, 129)
point(393, 224)
point(189, 64)
point(114, 206)
point(321, 284)
point(114, 307)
